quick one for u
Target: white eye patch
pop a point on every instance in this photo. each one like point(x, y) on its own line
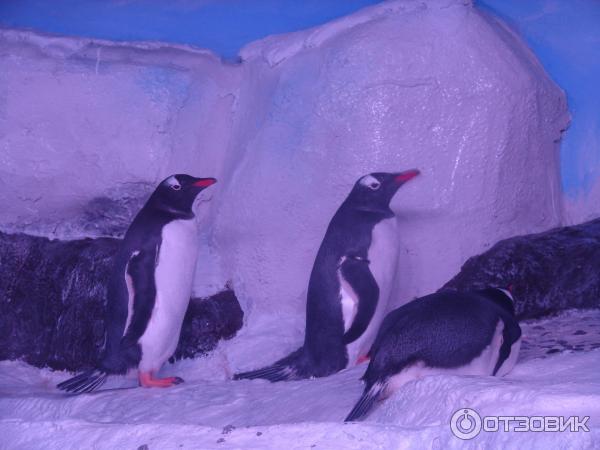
point(173, 183)
point(371, 182)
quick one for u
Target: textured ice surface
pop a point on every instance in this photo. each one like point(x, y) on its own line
point(571, 331)
point(209, 411)
point(565, 36)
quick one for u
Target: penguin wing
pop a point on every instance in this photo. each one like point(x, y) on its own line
point(141, 267)
point(116, 318)
point(357, 274)
point(510, 334)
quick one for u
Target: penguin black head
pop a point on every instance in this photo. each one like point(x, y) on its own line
point(374, 192)
point(176, 194)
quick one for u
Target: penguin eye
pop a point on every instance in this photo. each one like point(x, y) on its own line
point(374, 185)
point(176, 187)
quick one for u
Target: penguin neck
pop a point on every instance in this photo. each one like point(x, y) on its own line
point(500, 298)
point(175, 213)
point(375, 212)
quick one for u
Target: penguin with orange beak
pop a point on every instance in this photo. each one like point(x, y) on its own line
point(350, 283)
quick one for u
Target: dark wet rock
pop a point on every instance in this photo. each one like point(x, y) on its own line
point(53, 300)
point(548, 272)
point(207, 321)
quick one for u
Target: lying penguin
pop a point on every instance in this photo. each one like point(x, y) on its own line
point(349, 284)
point(467, 333)
point(150, 287)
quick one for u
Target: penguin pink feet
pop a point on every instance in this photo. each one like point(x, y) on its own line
point(362, 359)
point(147, 380)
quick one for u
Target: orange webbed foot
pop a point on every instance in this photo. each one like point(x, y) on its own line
point(147, 380)
point(362, 359)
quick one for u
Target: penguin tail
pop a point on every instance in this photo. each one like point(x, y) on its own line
point(84, 382)
point(366, 402)
point(274, 373)
point(292, 367)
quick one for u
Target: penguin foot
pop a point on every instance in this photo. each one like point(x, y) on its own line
point(363, 359)
point(147, 380)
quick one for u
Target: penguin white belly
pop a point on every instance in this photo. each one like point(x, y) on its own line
point(174, 273)
point(348, 298)
point(383, 259)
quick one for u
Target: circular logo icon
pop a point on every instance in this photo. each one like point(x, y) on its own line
point(465, 423)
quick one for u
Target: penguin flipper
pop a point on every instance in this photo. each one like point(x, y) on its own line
point(366, 402)
point(357, 274)
point(84, 382)
point(141, 268)
point(510, 334)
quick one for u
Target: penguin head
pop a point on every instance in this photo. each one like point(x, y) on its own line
point(373, 192)
point(176, 194)
point(500, 296)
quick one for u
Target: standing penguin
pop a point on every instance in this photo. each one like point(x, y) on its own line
point(150, 287)
point(466, 333)
point(349, 284)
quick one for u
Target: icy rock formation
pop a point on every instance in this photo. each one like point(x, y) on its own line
point(435, 85)
point(53, 300)
point(549, 271)
point(83, 119)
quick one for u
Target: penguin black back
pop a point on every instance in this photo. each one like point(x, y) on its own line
point(462, 332)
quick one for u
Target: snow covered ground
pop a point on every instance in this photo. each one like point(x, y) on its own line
point(556, 375)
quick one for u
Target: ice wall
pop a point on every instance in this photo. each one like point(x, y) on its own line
point(82, 119)
point(565, 35)
point(435, 85)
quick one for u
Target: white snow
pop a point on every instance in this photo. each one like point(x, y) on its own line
point(300, 414)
